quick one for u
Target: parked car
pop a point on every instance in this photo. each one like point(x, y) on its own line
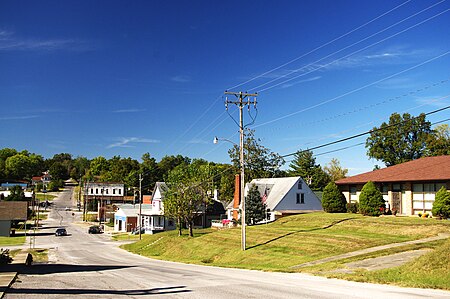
point(136, 231)
point(95, 229)
point(61, 231)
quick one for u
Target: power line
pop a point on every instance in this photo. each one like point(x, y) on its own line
point(349, 46)
point(352, 91)
point(409, 93)
point(321, 46)
point(365, 133)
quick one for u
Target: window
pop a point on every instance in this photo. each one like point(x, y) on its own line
point(114, 191)
point(300, 198)
point(92, 190)
point(96, 190)
point(106, 191)
point(120, 191)
point(300, 185)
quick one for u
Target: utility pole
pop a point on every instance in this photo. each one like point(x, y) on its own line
point(140, 206)
point(241, 103)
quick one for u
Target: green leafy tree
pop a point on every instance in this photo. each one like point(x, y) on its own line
point(152, 174)
point(260, 162)
point(80, 167)
point(99, 167)
point(58, 171)
point(441, 205)
point(16, 194)
point(168, 163)
point(438, 143)
point(371, 202)
point(335, 171)
point(187, 194)
point(255, 209)
point(403, 139)
point(333, 201)
point(304, 165)
point(23, 165)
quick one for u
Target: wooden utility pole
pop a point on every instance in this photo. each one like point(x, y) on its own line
point(241, 103)
point(140, 206)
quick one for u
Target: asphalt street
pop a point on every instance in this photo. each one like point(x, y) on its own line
point(92, 266)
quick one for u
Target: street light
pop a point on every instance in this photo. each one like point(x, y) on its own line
point(242, 183)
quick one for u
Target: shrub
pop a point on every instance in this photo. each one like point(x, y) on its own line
point(441, 205)
point(352, 207)
point(371, 202)
point(333, 201)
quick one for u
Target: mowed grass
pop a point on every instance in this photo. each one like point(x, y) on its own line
point(287, 242)
point(11, 241)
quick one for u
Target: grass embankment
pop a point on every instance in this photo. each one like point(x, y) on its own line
point(287, 242)
point(43, 197)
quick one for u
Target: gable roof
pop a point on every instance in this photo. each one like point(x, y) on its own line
point(13, 210)
point(423, 169)
point(276, 188)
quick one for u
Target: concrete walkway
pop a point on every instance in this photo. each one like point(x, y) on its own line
point(370, 250)
point(7, 278)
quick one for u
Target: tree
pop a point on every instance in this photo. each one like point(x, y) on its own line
point(441, 205)
point(168, 163)
point(23, 165)
point(304, 165)
point(260, 162)
point(151, 171)
point(371, 202)
point(333, 201)
point(335, 171)
point(186, 195)
point(403, 139)
point(58, 171)
point(16, 194)
point(438, 143)
point(255, 209)
point(99, 166)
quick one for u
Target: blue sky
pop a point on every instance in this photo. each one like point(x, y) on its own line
point(127, 77)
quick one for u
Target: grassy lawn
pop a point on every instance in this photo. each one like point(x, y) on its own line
point(11, 241)
point(43, 197)
point(289, 241)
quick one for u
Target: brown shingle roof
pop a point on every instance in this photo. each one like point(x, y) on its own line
point(13, 210)
point(423, 169)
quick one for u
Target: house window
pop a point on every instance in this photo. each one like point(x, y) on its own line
point(114, 191)
point(120, 191)
point(92, 190)
point(300, 185)
point(353, 194)
point(106, 191)
point(300, 198)
point(96, 190)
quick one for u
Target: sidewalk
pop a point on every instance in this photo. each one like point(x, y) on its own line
point(370, 250)
point(7, 278)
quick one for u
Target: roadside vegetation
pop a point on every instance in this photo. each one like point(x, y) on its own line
point(295, 240)
point(12, 241)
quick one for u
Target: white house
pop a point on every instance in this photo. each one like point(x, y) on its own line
point(283, 197)
point(126, 217)
point(153, 220)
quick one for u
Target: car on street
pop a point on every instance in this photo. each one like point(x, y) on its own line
point(61, 231)
point(95, 229)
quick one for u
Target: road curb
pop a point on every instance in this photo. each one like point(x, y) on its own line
point(6, 280)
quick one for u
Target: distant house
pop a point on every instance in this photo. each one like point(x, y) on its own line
point(101, 197)
point(45, 178)
point(11, 211)
point(153, 220)
point(126, 217)
point(407, 188)
point(283, 197)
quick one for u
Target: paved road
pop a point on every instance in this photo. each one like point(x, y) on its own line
point(92, 266)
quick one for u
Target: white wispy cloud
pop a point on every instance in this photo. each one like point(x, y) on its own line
point(181, 79)
point(198, 141)
point(18, 117)
point(436, 101)
point(130, 110)
point(9, 41)
point(286, 85)
point(129, 141)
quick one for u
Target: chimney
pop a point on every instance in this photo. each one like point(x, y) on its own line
point(237, 196)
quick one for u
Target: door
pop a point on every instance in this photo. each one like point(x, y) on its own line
point(396, 202)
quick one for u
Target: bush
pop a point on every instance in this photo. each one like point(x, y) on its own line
point(441, 205)
point(55, 185)
point(352, 207)
point(333, 201)
point(371, 202)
